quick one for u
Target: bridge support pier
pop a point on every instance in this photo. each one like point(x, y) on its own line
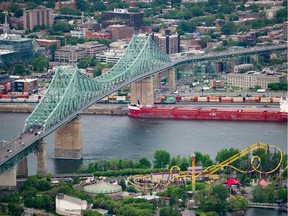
point(172, 79)
point(41, 155)
point(143, 91)
point(22, 168)
point(8, 179)
point(68, 140)
point(157, 81)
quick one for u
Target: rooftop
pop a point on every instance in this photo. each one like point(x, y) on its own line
point(103, 187)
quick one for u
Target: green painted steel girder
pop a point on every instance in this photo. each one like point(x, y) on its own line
point(18, 157)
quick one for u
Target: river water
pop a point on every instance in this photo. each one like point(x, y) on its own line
point(122, 137)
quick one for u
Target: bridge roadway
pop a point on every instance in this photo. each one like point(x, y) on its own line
point(20, 151)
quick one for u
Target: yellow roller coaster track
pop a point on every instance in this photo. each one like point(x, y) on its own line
point(212, 169)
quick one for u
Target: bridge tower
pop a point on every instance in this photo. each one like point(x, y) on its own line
point(143, 91)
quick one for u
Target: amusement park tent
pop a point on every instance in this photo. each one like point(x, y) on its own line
point(232, 181)
point(263, 183)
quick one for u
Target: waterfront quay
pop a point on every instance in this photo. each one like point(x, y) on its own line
point(122, 109)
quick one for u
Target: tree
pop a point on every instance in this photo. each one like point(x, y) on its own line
point(204, 41)
point(81, 5)
point(264, 195)
point(281, 15)
point(237, 203)
point(228, 28)
point(122, 184)
point(143, 163)
point(12, 7)
point(61, 27)
point(18, 13)
point(40, 64)
point(169, 211)
point(161, 158)
point(84, 63)
point(91, 213)
point(15, 209)
point(53, 48)
point(225, 154)
point(19, 70)
point(212, 199)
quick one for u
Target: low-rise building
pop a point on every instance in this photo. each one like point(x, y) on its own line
point(77, 33)
point(242, 67)
point(24, 86)
point(67, 205)
point(110, 56)
point(92, 48)
point(252, 79)
point(69, 54)
point(5, 83)
point(120, 31)
point(271, 13)
point(47, 43)
point(98, 35)
point(65, 4)
point(217, 84)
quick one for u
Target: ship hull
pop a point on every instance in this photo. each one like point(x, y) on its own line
point(209, 114)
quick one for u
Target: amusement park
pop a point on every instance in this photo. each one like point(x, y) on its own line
point(259, 166)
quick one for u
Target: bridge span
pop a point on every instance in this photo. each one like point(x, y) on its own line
point(70, 92)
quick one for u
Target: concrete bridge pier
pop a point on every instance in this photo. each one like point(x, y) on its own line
point(68, 140)
point(8, 179)
point(172, 79)
point(22, 168)
point(157, 81)
point(41, 155)
point(143, 91)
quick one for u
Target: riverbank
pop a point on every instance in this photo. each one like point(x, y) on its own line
point(93, 110)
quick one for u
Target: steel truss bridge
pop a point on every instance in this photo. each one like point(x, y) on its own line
point(70, 92)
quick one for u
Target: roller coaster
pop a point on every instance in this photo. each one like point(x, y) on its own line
point(253, 166)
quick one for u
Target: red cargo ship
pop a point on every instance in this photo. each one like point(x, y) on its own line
point(207, 113)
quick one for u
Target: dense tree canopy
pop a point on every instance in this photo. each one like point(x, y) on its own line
point(161, 159)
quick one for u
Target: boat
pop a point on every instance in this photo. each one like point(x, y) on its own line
point(225, 114)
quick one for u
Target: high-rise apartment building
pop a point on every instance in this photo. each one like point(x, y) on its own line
point(39, 16)
point(167, 43)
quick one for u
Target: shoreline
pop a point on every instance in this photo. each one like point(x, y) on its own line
point(93, 110)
